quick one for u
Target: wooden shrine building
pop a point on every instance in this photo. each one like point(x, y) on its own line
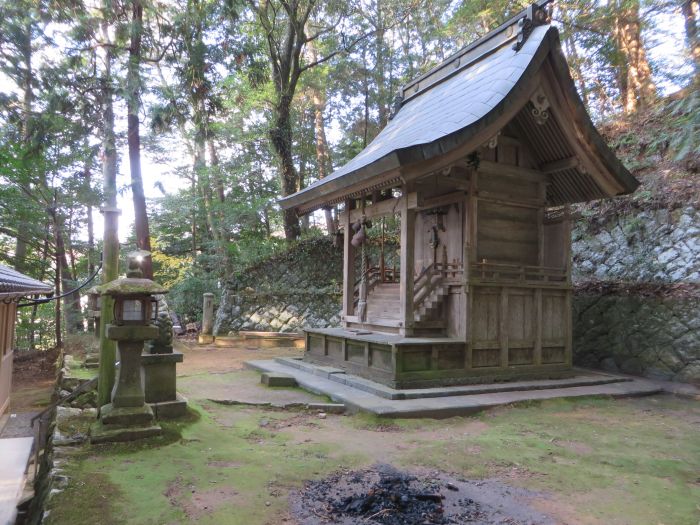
point(13, 287)
point(478, 165)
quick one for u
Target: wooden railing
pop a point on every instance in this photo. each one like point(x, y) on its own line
point(492, 271)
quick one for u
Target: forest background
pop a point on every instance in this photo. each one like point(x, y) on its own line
point(195, 116)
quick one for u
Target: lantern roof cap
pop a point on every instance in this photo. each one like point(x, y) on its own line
point(132, 286)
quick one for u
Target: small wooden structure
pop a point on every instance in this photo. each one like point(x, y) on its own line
point(479, 164)
point(13, 286)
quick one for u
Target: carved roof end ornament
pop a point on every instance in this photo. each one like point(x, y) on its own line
point(534, 16)
point(540, 110)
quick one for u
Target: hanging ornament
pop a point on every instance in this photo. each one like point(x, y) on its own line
point(359, 237)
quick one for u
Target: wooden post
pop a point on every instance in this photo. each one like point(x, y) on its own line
point(408, 242)
point(503, 327)
point(568, 349)
point(537, 351)
point(348, 265)
point(469, 258)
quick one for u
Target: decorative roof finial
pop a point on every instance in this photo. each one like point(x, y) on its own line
point(535, 15)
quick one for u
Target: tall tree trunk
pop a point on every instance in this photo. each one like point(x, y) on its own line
point(691, 11)
point(323, 157)
point(133, 83)
point(193, 225)
point(365, 93)
point(71, 303)
point(27, 101)
point(218, 181)
point(91, 240)
point(382, 103)
point(639, 89)
point(57, 303)
point(110, 256)
point(281, 138)
point(574, 58)
point(42, 275)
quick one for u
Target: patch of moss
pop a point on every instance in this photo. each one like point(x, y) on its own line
point(82, 372)
point(608, 460)
point(585, 448)
point(90, 497)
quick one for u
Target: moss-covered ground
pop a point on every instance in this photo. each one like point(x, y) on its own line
point(598, 461)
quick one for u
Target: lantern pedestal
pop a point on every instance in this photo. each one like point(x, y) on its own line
point(127, 417)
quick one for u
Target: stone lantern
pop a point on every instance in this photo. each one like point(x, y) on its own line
point(94, 303)
point(128, 417)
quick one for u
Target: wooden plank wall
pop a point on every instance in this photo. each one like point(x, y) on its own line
point(513, 325)
point(7, 335)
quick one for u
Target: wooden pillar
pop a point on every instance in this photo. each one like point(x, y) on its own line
point(348, 265)
point(568, 349)
point(503, 327)
point(469, 258)
point(408, 244)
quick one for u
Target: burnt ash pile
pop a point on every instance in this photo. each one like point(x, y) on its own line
point(384, 495)
point(399, 499)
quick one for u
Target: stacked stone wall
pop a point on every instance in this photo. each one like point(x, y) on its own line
point(302, 287)
point(637, 305)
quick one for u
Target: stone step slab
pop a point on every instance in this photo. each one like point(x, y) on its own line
point(440, 406)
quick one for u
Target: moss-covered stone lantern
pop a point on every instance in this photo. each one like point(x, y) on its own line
point(128, 417)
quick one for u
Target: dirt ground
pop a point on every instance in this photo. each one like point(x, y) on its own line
point(589, 461)
point(214, 359)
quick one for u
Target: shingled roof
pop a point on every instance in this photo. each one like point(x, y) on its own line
point(455, 102)
point(14, 284)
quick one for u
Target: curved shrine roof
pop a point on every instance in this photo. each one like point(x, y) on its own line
point(453, 102)
point(15, 284)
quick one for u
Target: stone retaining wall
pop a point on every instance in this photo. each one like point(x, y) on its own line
point(301, 287)
point(631, 332)
point(650, 245)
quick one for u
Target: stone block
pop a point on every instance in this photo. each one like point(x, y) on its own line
point(205, 339)
point(273, 379)
point(159, 376)
point(100, 433)
point(126, 416)
point(170, 409)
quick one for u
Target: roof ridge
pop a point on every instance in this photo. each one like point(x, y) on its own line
point(468, 55)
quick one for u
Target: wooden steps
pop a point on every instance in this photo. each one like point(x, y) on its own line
point(431, 303)
point(383, 302)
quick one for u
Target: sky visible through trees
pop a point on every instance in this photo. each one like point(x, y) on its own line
point(220, 108)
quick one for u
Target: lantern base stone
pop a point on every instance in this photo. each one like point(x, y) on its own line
point(100, 433)
point(111, 415)
point(124, 424)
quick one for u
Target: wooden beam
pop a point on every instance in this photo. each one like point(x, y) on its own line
point(498, 199)
point(441, 200)
point(518, 172)
point(383, 208)
point(561, 165)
